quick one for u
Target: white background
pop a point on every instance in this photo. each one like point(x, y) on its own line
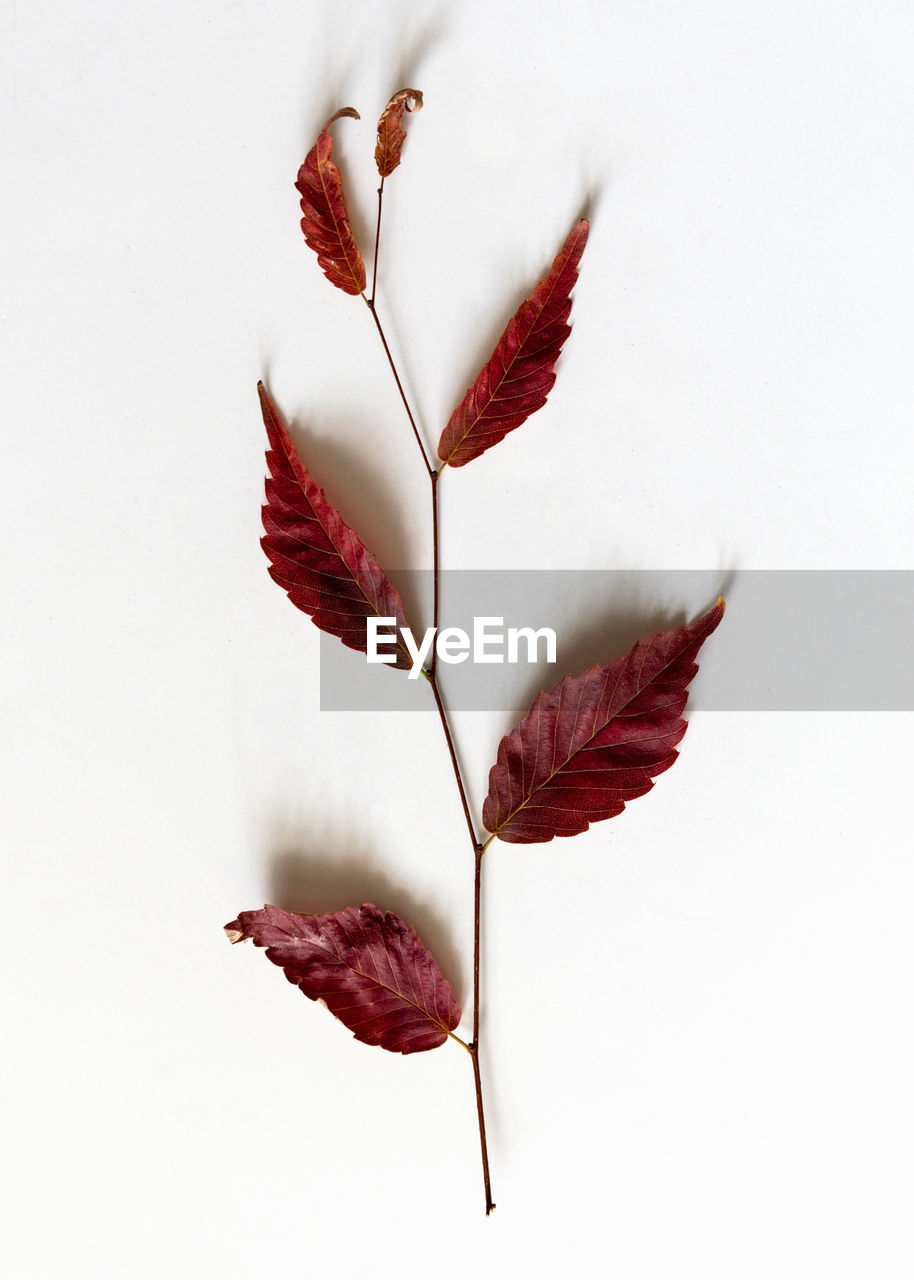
point(698, 1017)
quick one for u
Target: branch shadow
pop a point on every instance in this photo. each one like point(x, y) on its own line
point(331, 866)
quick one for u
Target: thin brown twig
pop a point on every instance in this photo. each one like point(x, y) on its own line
point(478, 849)
point(377, 242)
point(393, 368)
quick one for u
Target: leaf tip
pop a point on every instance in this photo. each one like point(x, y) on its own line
point(343, 111)
point(234, 931)
point(267, 408)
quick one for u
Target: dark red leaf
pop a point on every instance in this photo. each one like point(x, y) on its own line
point(520, 372)
point(391, 134)
point(326, 219)
point(323, 564)
point(368, 966)
point(596, 740)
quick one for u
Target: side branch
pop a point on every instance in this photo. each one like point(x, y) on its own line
point(377, 243)
point(434, 658)
point(369, 303)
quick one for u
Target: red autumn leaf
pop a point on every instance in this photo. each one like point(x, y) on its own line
point(391, 134)
point(326, 219)
point(596, 740)
point(368, 966)
point(521, 370)
point(324, 566)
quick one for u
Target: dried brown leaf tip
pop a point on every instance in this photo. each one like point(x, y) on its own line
point(391, 134)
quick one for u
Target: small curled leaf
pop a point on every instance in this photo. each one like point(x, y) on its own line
point(368, 966)
point(391, 134)
point(325, 220)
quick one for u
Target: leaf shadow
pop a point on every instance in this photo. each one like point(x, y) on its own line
point(331, 865)
point(364, 495)
point(728, 581)
point(591, 199)
point(600, 640)
point(485, 336)
point(313, 118)
point(339, 63)
point(413, 52)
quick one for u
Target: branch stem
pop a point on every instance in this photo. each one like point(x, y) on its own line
point(442, 714)
point(474, 1044)
point(370, 304)
point(433, 661)
point(377, 241)
point(478, 849)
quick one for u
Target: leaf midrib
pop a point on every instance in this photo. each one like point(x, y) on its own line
point(336, 228)
point(376, 981)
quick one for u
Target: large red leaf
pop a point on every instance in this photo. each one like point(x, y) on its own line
point(596, 740)
point(391, 134)
point(325, 220)
point(324, 566)
point(368, 966)
point(521, 370)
